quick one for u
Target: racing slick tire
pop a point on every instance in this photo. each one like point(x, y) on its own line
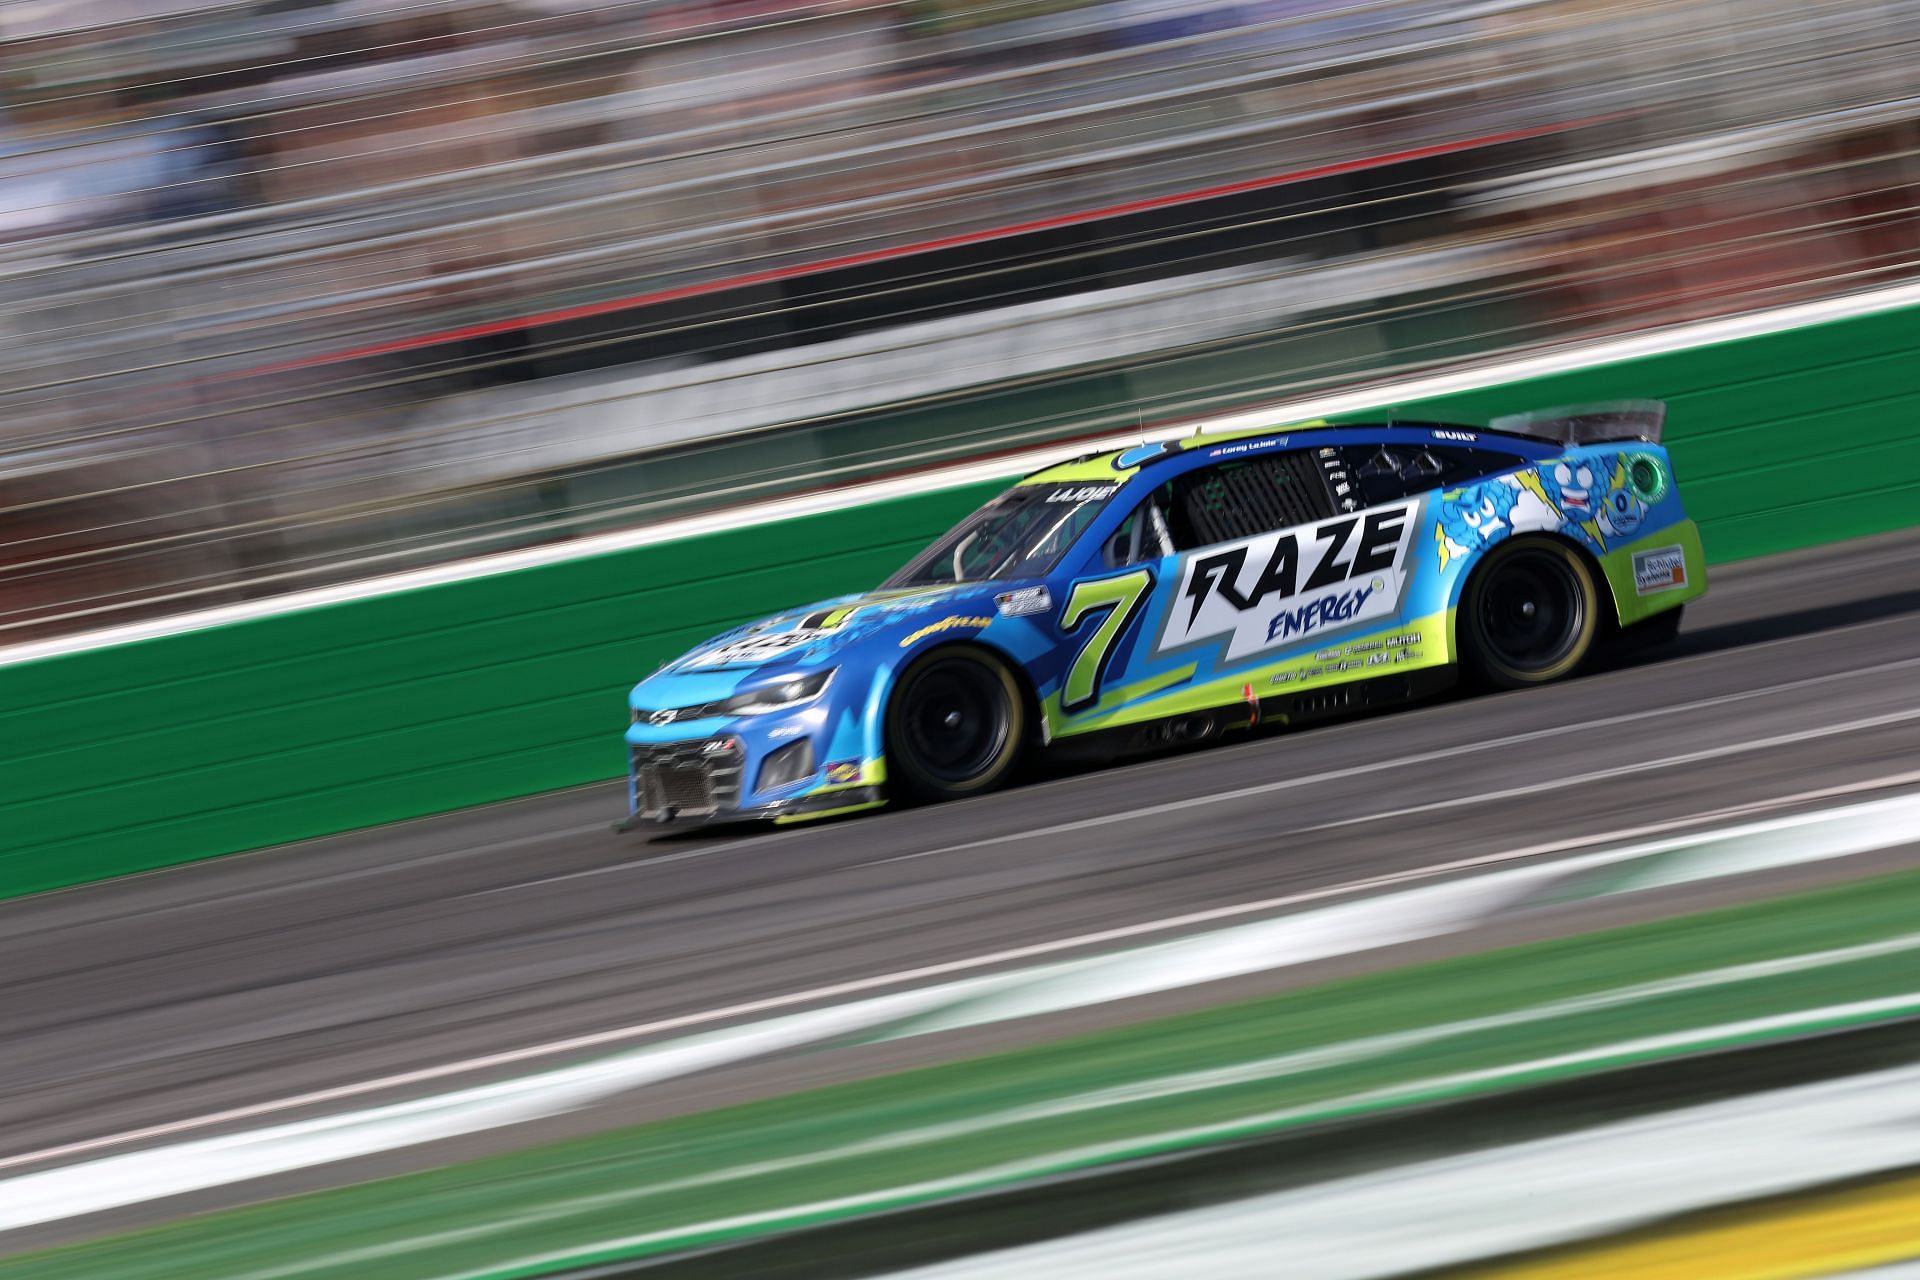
point(1530, 614)
point(955, 725)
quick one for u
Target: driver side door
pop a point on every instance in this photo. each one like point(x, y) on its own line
point(1221, 572)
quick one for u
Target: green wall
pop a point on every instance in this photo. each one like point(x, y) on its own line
point(190, 746)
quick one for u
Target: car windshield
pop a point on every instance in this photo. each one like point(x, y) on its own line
point(1020, 534)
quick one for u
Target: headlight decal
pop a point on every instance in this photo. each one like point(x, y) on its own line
point(793, 691)
point(780, 695)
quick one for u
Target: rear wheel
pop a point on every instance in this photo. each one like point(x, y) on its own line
point(1529, 615)
point(955, 725)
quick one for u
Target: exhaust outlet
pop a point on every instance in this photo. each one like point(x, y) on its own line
point(1192, 729)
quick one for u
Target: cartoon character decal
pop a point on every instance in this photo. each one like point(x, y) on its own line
point(1603, 504)
point(1573, 486)
point(1478, 514)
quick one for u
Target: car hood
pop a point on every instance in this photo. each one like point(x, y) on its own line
point(806, 637)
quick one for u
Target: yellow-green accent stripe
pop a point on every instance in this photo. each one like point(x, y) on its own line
point(1434, 649)
point(787, 819)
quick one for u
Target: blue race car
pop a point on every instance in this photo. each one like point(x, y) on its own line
point(1168, 593)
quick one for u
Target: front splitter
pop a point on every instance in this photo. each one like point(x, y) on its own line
point(798, 810)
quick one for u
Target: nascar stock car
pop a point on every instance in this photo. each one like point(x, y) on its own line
point(1171, 592)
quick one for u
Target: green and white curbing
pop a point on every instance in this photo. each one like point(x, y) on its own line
point(1459, 1210)
point(1455, 906)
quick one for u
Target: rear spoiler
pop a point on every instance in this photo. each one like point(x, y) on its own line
point(1616, 420)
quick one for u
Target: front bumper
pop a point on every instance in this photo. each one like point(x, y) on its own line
point(698, 782)
point(697, 778)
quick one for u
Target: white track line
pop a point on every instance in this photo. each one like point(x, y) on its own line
point(1627, 770)
point(921, 973)
point(1448, 753)
point(1320, 1058)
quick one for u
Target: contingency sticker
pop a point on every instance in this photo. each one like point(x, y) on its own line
point(1662, 569)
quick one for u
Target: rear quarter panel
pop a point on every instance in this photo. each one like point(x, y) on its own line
point(1617, 502)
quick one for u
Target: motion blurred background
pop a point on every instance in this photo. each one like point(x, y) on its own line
point(1601, 980)
point(297, 291)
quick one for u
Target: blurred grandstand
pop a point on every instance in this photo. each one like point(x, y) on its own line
point(299, 291)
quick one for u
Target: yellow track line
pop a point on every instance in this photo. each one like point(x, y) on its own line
point(1821, 1234)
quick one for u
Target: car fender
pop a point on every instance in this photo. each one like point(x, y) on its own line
point(1470, 565)
point(885, 681)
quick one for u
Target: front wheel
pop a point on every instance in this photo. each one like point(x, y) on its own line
point(1529, 615)
point(955, 725)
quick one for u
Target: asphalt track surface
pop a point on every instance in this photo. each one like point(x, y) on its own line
point(235, 983)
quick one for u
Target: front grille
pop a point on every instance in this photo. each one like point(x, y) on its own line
point(681, 788)
point(689, 779)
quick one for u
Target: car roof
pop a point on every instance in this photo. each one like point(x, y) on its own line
point(1110, 466)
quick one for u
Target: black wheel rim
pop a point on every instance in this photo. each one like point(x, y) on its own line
point(1532, 611)
point(956, 720)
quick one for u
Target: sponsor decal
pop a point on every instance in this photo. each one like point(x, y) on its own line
point(1264, 591)
point(912, 602)
point(1385, 651)
point(1025, 601)
point(754, 649)
point(1246, 446)
point(1085, 493)
point(1468, 437)
point(1323, 613)
point(841, 771)
point(955, 623)
point(1340, 481)
point(1624, 514)
point(1662, 569)
point(786, 731)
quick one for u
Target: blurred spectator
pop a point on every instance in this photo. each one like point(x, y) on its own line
point(267, 265)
